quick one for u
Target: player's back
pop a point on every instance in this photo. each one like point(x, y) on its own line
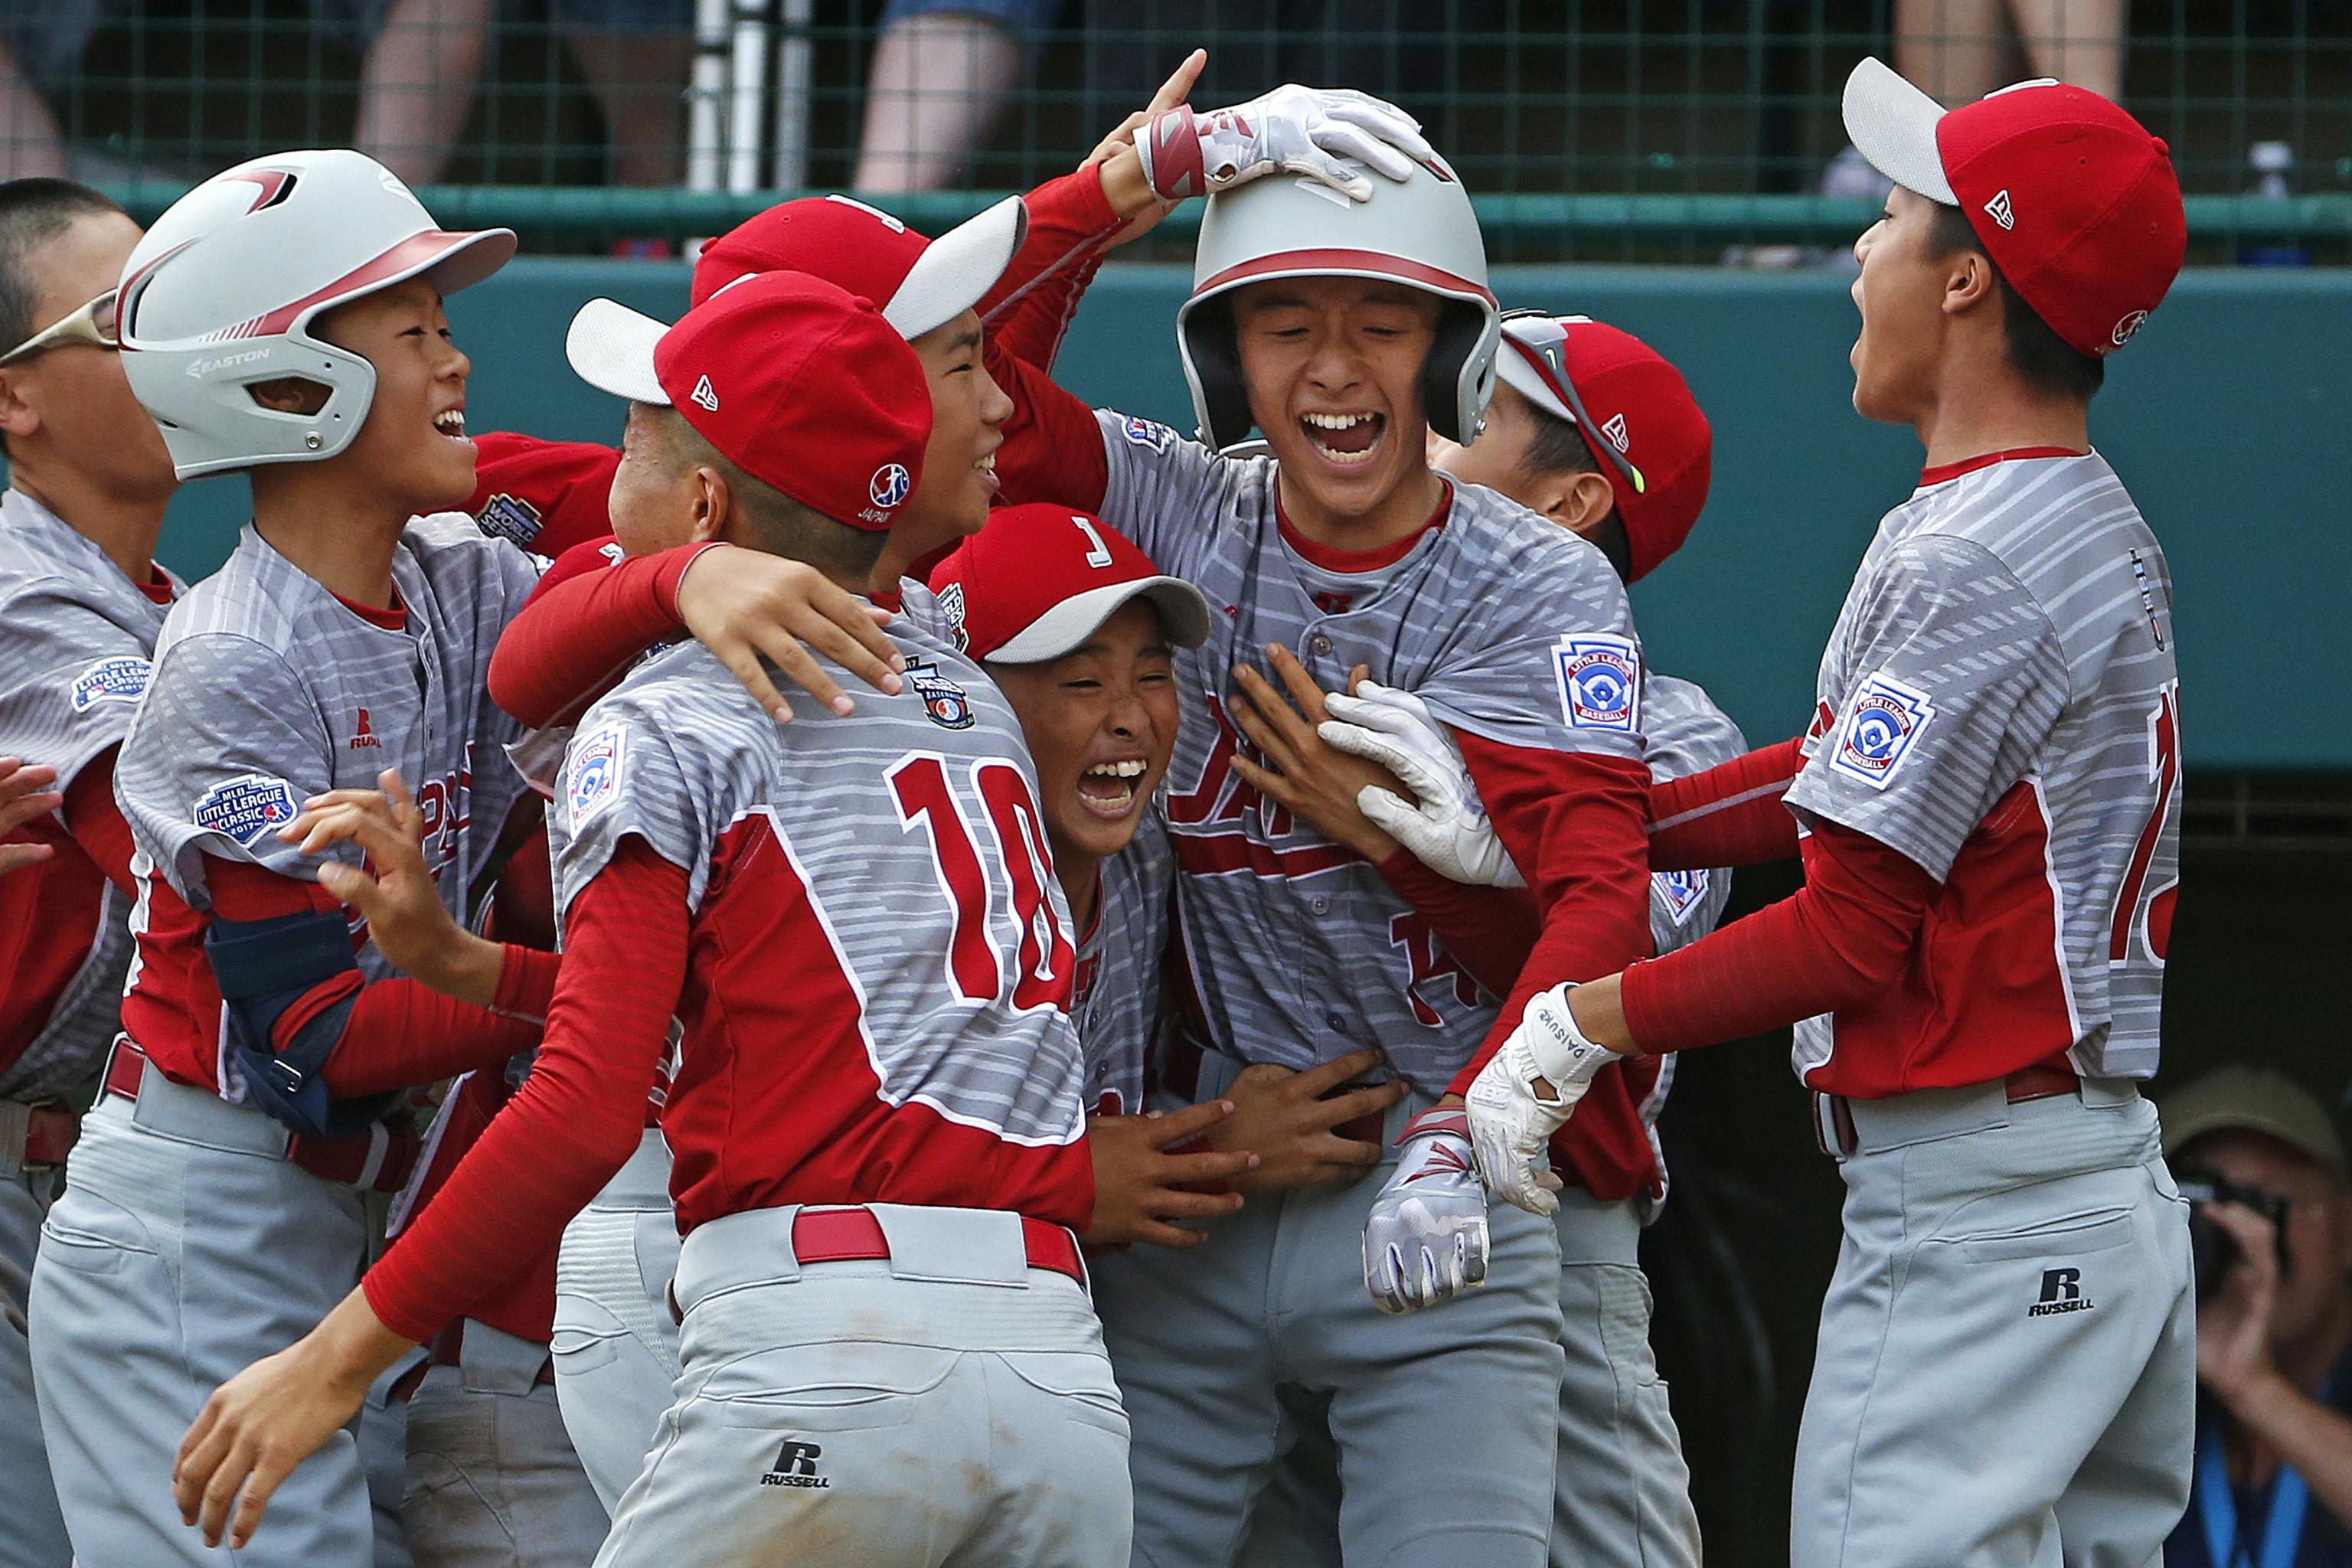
point(881, 961)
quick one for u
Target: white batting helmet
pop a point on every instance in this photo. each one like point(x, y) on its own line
point(222, 292)
point(1421, 232)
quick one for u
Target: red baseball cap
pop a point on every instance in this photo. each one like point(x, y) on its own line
point(920, 283)
point(2075, 201)
point(800, 384)
point(1634, 411)
point(1038, 580)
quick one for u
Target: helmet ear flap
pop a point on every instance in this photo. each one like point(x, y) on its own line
point(1212, 353)
point(1458, 380)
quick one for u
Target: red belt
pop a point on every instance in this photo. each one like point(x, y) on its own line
point(2042, 1081)
point(343, 1160)
point(854, 1235)
point(50, 1134)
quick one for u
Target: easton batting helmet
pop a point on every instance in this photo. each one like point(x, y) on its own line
point(223, 292)
point(1421, 232)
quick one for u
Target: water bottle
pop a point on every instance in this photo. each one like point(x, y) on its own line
point(2271, 162)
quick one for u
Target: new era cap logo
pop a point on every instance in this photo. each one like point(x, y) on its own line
point(1998, 208)
point(705, 395)
point(1618, 435)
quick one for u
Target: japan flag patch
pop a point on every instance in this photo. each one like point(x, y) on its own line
point(1600, 679)
point(592, 774)
point(1883, 722)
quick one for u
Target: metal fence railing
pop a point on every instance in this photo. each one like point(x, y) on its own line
point(1675, 130)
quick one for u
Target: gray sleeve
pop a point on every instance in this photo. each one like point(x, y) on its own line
point(1955, 680)
point(625, 773)
point(70, 679)
point(1167, 494)
point(1551, 666)
point(224, 749)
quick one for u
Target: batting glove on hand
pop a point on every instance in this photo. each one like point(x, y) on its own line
point(1512, 1119)
point(1445, 826)
point(1425, 1240)
point(1323, 133)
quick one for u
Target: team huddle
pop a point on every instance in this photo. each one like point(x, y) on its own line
point(898, 969)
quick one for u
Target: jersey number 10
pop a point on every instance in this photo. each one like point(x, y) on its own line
point(975, 969)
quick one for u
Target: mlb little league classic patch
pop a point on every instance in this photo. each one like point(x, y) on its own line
point(245, 808)
point(1885, 717)
point(122, 678)
point(1599, 681)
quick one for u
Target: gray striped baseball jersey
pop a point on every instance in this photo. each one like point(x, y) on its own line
point(1683, 733)
point(878, 1010)
point(1509, 627)
point(77, 638)
point(2006, 713)
point(268, 688)
point(1116, 1003)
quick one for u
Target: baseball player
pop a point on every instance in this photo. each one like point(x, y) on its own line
point(1989, 825)
point(879, 1148)
point(1568, 390)
point(1342, 333)
point(81, 602)
point(215, 1202)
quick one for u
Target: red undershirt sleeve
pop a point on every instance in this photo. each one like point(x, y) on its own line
point(1576, 824)
point(1488, 931)
point(1842, 939)
point(1729, 815)
point(1028, 310)
point(580, 630)
point(1052, 447)
point(579, 1115)
point(95, 822)
point(399, 1033)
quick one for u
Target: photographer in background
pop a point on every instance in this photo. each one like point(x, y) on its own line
point(2263, 1165)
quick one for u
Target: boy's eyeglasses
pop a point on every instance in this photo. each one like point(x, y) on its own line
point(93, 324)
point(1542, 339)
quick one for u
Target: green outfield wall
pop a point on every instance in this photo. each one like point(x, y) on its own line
point(2229, 418)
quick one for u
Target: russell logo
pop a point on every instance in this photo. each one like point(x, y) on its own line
point(2061, 1292)
point(795, 1466)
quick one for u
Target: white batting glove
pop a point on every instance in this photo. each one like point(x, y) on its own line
point(1426, 1239)
point(1445, 824)
point(1322, 133)
point(1511, 1120)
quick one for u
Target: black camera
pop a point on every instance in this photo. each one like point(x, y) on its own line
point(2212, 1251)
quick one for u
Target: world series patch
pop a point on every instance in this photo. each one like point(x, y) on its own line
point(1886, 717)
point(245, 808)
point(592, 777)
point(121, 678)
point(947, 704)
point(510, 518)
point(1599, 681)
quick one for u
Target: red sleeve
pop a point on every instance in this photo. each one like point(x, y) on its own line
point(1842, 939)
point(1577, 825)
point(399, 1033)
point(580, 1114)
point(546, 496)
point(1729, 815)
point(1489, 930)
point(96, 823)
point(578, 633)
point(1053, 450)
point(1029, 310)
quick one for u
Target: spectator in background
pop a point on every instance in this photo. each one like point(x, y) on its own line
point(2274, 1479)
point(941, 73)
point(416, 88)
point(41, 43)
point(1954, 48)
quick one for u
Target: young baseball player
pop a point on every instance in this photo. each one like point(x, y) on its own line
point(1989, 824)
point(1342, 333)
point(283, 318)
point(81, 602)
point(1568, 391)
point(879, 1145)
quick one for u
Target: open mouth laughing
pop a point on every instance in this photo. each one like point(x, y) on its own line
point(1345, 438)
point(1108, 789)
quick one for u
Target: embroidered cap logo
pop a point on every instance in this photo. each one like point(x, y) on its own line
point(705, 395)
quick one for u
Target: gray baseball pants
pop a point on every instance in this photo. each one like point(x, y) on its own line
point(32, 1531)
point(949, 1405)
point(182, 1250)
point(615, 1343)
point(1445, 1421)
point(492, 1479)
point(2006, 1375)
point(1621, 1496)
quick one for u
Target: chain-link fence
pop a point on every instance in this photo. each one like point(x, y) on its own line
point(1669, 129)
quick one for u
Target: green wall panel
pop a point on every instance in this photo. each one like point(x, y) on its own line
point(2227, 417)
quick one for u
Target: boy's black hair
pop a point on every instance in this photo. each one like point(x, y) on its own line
point(34, 212)
point(2042, 359)
point(1557, 446)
